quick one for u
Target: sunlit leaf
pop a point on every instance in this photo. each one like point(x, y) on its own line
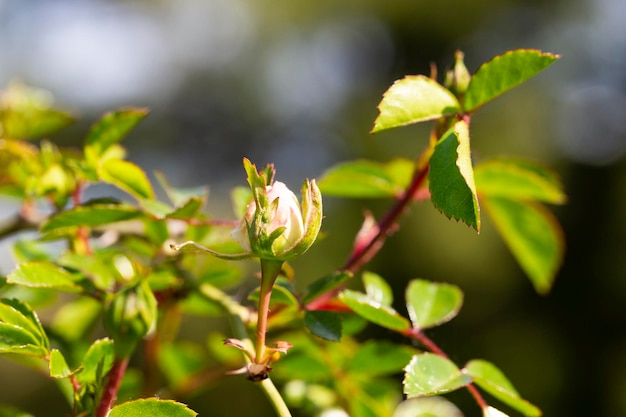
point(533, 235)
point(280, 295)
point(373, 310)
point(518, 180)
point(413, 99)
point(431, 304)
point(324, 324)
point(367, 179)
point(377, 288)
point(493, 412)
point(187, 210)
point(19, 314)
point(427, 407)
point(94, 215)
point(43, 275)
point(151, 407)
point(429, 374)
point(15, 339)
point(451, 177)
point(180, 196)
point(58, 365)
point(127, 176)
point(97, 361)
point(504, 72)
point(487, 376)
point(113, 127)
point(33, 123)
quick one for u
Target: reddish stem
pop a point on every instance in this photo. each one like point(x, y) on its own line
point(429, 344)
point(114, 380)
point(365, 251)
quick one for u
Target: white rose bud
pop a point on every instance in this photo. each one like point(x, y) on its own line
point(275, 226)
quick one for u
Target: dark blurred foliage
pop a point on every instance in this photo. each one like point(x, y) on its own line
point(297, 84)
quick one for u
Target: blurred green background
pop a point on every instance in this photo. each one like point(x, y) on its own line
point(297, 83)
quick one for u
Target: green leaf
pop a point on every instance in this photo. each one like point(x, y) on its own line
point(324, 285)
point(377, 288)
point(487, 376)
point(113, 127)
point(367, 179)
point(127, 176)
point(97, 361)
point(504, 72)
point(324, 324)
point(413, 99)
point(180, 196)
point(429, 374)
point(151, 407)
point(427, 407)
point(187, 210)
point(382, 357)
point(19, 314)
point(96, 215)
point(75, 318)
point(518, 180)
point(32, 123)
point(431, 304)
point(451, 177)
point(58, 365)
point(43, 275)
point(240, 197)
point(280, 295)
point(374, 311)
point(533, 235)
point(14, 339)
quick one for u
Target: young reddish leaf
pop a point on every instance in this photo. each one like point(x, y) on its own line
point(127, 176)
point(533, 235)
point(151, 407)
point(431, 304)
point(451, 177)
point(373, 310)
point(113, 127)
point(58, 365)
point(518, 180)
point(324, 324)
point(429, 374)
point(367, 179)
point(502, 73)
point(487, 376)
point(43, 275)
point(95, 215)
point(413, 99)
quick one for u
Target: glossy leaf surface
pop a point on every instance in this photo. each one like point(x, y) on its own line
point(324, 324)
point(429, 374)
point(151, 407)
point(533, 235)
point(377, 289)
point(57, 365)
point(413, 99)
point(504, 72)
point(373, 310)
point(488, 377)
point(97, 361)
point(451, 177)
point(367, 179)
point(431, 304)
point(518, 180)
point(43, 275)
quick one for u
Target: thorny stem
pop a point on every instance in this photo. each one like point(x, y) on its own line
point(112, 386)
